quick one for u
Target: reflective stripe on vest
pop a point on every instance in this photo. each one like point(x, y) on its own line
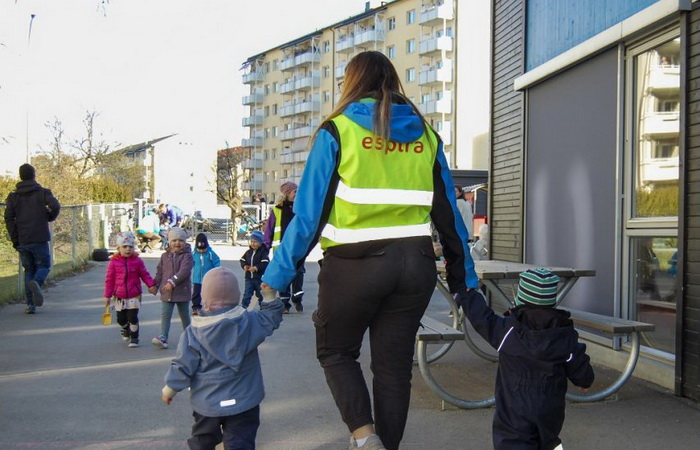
point(385, 189)
point(277, 234)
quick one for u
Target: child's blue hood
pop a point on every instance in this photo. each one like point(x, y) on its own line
point(406, 126)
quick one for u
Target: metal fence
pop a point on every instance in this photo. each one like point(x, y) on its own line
point(76, 233)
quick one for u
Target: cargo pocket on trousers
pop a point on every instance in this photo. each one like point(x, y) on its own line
point(320, 324)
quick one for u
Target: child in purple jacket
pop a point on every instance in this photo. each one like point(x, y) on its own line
point(173, 278)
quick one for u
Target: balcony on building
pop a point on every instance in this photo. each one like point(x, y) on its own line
point(434, 45)
point(340, 69)
point(252, 142)
point(253, 120)
point(445, 131)
point(434, 75)
point(664, 79)
point(660, 125)
point(299, 107)
point(253, 77)
point(255, 184)
point(290, 157)
point(431, 16)
point(256, 162)
point(302, 83)
point(345, 44)
point(299, 131)
point(300, 60)
point(255, 97)
point(372, 36)
point(441, 106)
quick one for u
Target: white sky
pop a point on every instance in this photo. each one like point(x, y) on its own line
point(148, 67)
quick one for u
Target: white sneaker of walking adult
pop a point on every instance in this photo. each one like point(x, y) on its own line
point(372, 443)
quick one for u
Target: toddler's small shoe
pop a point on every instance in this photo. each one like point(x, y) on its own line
point(133, 343)
point(125, 334)
point(30, 310)
point(286, 311)
point(299, 308)
point(160, 342)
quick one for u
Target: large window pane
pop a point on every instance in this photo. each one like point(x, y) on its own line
point(654, 262)
point(657, 126)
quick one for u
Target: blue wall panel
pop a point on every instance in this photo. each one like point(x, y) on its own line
point(555, 26)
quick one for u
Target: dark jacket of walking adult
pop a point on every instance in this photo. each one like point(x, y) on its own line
point(30, 208)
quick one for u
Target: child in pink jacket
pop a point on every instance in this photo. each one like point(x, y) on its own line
point(125, 272)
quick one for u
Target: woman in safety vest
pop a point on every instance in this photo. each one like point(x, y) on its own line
point(375, 178)
point(280, 216)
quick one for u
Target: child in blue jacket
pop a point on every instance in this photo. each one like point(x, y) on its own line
point(217, 358)
point(205, 259)
point(538, 352)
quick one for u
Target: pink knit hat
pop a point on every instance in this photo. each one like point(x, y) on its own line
point(220, 289)
point(287, 187)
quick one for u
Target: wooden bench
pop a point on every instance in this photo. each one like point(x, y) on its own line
point(612, 326)
point(433, 331)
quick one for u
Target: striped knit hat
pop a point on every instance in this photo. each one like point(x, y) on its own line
point(537, 287)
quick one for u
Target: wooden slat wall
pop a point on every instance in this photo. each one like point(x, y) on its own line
point(690, 368)
point(506, 177)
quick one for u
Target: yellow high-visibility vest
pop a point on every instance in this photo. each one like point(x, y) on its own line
point(385, 189)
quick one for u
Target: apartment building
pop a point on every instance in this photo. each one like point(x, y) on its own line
point(294, 86)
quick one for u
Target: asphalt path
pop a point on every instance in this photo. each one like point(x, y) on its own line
point(68, 382)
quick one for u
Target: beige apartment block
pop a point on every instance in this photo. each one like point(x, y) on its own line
point(295, 86)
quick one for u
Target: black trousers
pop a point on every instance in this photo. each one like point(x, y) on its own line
point(196, 296)
point(384, 287)
point(237, 432)
point(128, 319)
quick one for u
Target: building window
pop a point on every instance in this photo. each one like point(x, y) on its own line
point(267, 111)
point(275, 87)
point(391, 52)
point(326, 71)
point(274, 109)
point(267, 134)
point(410, 75)
point(267, 89)
point(391, 23)
point(326, 46)
point(411, 17)
point(274, 175)
point(275, 131)
point(652, 172)
point(326, 96)
point(274, 151)
point(266, 154)
point(410, 46)
point(425, 98)
point(266, 68)
point(275, 64)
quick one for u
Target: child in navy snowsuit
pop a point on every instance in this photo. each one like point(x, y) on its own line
point(254, 262)
point(538, 352)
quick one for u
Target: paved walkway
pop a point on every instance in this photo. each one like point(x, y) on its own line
point(67, 382)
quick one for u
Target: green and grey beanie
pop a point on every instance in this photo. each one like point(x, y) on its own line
point(537, 287)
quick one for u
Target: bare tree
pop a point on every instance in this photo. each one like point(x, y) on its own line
point(90, 149)
point(229, 176)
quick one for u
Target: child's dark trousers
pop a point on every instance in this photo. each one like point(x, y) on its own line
point(196, 296)
point(252, 285)
point(237, 432)
point(128, 319)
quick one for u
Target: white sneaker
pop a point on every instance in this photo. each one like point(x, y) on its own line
point(373, 443)
point(160, 342)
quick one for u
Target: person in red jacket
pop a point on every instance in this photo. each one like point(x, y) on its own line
point(125, 273)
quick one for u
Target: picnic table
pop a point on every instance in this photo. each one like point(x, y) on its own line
point(495, 275)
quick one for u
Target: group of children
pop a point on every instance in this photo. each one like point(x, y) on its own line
point(217, 354)
point(178, 278)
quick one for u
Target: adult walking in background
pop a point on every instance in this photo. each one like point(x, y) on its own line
point(375, 178)
point(29, 210)
point(278, 221)
point(465, 210)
